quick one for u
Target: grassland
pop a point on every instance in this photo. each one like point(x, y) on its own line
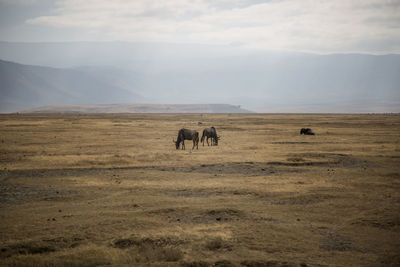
point(111, 189)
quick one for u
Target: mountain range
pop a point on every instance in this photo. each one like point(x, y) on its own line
point(48, 74)
point(141, 108)
point(24, 86)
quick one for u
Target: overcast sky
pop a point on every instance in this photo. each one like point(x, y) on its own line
point(319, 26)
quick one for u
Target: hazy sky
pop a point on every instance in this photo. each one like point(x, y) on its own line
point(320, 26)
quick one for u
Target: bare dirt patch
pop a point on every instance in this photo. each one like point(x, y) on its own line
point(11, 193)
point(336, 242)
point(306, 199)
point(192, 216)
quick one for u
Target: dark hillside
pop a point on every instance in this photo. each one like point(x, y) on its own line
point(24, 87)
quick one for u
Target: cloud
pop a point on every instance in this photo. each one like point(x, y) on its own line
point(311, 25)
point(20, 2)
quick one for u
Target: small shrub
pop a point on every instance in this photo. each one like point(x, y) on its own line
point(214, 244)
point(155, 253)
point(296, 159)
point(172, 254)
point(217, 244)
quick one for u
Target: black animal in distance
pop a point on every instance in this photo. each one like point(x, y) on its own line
point(306, 131)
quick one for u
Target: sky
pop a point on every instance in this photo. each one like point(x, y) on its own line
point(314, 26)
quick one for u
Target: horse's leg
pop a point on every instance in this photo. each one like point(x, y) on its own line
point(207, 141)
point(183, 144)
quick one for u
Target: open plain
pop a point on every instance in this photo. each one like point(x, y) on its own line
point(111, 189)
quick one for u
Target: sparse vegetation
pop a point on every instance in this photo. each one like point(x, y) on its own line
point(218, 243)
point(111, 189)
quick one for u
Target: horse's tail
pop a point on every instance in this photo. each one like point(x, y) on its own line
point(202, 136)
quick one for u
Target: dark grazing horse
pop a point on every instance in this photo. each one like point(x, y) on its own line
point(185, 134)
point(306, 131)
point(210, 133)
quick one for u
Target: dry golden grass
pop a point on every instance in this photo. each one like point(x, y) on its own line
point(96, 190)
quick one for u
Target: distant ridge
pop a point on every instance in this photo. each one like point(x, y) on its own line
point(25, 86)
point(141, 108)
point(93, 73)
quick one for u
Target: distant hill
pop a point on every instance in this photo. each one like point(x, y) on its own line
point(91, 73)
point(24, 86)
point(142, 108)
